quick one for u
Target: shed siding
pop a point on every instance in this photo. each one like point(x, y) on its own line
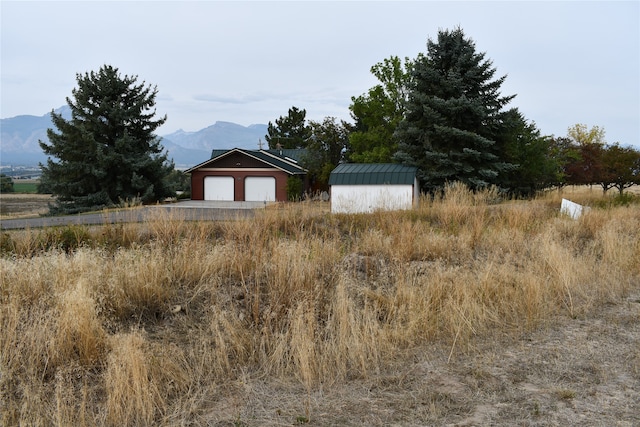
point(370, 198)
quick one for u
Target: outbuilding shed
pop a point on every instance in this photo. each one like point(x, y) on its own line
point(246, 175)
point(367, 187)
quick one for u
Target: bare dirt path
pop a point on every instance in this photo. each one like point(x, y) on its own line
point(579, 372)
point(576, 372)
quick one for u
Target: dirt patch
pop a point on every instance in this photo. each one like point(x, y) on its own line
point(577, 372)
point(23, 205)
point(582, 371)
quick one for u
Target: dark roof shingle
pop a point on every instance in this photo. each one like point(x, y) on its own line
point(285, 162)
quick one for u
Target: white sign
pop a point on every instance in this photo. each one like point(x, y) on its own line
point(572, 209)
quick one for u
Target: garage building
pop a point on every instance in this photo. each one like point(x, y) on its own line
point(246, 175)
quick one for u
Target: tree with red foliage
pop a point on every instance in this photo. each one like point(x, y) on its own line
point(587, 168)
point(620, 168)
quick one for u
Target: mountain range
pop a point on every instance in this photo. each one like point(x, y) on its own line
point(19, 138)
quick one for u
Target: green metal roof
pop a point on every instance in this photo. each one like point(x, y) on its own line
point(372, 174)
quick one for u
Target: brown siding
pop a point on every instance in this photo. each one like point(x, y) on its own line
point(197, 185)
point(238, 160)
point(197, 181)
point(238, 165)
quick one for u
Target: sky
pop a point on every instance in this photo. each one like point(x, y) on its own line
point(567, 62)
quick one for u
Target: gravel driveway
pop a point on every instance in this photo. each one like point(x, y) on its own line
point(190, 210)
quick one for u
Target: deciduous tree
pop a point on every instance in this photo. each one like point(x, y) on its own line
point(563, 152)
point(327, 146)
point(588, 167)
point(582, 135)
point(522, 145)
point(620, 168)
point(378, 112)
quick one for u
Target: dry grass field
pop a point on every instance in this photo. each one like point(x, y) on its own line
point(23, 205)
point(464, 312)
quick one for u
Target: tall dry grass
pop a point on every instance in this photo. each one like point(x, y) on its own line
point(154, 323)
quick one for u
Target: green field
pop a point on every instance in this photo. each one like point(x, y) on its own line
point(25, 187)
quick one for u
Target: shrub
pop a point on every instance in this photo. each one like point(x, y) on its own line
point(294, 188)
point(6, 244)
point(67, 238)
point(6, 184)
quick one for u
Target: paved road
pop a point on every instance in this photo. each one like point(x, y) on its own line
point(191, 210)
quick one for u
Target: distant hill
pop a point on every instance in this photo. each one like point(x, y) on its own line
point(191, 148)
point(19, 140)
point(19, 137)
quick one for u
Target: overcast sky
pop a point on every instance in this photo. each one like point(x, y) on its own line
point(249, 62)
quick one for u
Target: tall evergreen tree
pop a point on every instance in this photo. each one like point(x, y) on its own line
point(290, 131)
point(107, 152)
point(453, 115)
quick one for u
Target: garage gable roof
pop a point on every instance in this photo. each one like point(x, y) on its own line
point(284, 163)
point(288, 165)
point(372, 174)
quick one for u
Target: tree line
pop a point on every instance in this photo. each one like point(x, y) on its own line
point(442, 112)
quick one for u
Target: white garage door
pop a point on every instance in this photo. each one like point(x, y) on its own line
point(218, 188)
point(260, 188)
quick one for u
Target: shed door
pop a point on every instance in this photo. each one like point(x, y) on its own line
point(218, 188)
point(260, 188)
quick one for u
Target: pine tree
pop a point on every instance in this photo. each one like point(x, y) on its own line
point(290, 131)
point(453, 115)
point(107, 152)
